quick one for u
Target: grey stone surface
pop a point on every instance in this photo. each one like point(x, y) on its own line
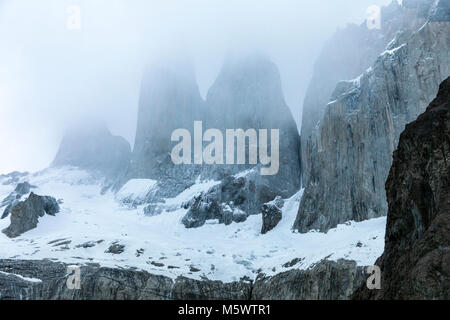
point(169, 100)
point(416, 259)
point(350, 152)
point(25, 214)
point(46, 280)
point(14, 197)
point(95, 149)
point(328, 280)
point(234, 199)
point(271, 214)
point(246, 94)
point(346, 55)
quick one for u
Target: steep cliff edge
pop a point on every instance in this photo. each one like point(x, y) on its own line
point(350, 150)
point(416, 260)
point(92, 147)
point(247, 94)
point(346, 55)
point(169, 99)
point(47, 280)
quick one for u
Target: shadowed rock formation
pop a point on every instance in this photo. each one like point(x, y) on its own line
point(25, 214)
point(14, 197)
point(416, 260)
point(247, 94)
point(349, 153)
point(95, 149)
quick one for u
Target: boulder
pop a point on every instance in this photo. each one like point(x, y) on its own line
point(25, 214)
point(271, 214)
point(14, 197)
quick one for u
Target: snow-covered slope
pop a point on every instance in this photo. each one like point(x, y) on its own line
point(89, 223)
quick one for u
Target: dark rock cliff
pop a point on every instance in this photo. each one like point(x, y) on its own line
point(416, 260)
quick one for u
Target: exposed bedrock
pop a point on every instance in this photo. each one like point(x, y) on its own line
point(416, 259)
point(93, 148)
point(350, 151)
point(25, 214)
point(271, 214)
point(14, 197)
point(169, 100)
point(44, 279)
point(346, 55)
point(247, 94)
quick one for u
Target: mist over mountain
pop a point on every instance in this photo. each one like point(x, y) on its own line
point(180, 169)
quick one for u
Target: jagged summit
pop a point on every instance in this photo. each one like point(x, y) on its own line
point(248, 93)
point(92, 147)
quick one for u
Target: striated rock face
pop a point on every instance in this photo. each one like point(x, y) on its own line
point(328, 280)
point(345, 56)
point(14, 197)
point(25, 214)
point(170, 99)
point(416, 260)
point(95, 149)
point(46, 280)
point(349, 153)
point(246, 95)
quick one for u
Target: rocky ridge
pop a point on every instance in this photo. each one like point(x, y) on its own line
point(349, 152)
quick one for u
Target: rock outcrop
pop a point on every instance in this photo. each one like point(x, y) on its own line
point(95, 149)
point(271, 214)
point(13, 198)
point(169, 100)
point(25, 214)
point(246, 95)
point(328, 280)
point(47, 280)
point(348, 155)
point(416, 260)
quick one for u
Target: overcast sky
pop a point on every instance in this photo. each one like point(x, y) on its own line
point(51, 76)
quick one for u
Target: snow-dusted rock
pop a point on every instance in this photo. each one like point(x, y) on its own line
point(271, 214)
point(14, 197)
point(349, 155)
point(25, 214)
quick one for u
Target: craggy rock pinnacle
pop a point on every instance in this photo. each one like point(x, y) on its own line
point(271, 214)
point(25, 214)
point(247, 94)
point(14, 197)
point(328, 280)
point(95, 149)
point(416, 260)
